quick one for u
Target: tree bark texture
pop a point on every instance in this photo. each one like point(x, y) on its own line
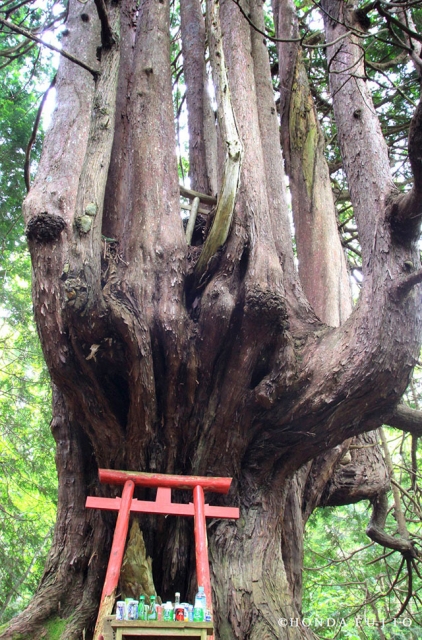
point(224, 369)
point(322, 265)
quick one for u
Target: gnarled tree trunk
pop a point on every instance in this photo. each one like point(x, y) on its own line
point(219, 366)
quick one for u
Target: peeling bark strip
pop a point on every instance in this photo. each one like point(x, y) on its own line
point(231, 172)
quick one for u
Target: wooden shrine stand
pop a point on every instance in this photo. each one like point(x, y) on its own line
point(163, 506)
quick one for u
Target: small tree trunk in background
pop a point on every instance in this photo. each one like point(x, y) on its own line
point(201, 119)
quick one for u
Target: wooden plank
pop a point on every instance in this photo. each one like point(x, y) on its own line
point(159, 624)
point(173, 508)
point(153, 634)
point(190, 193)
point(162, 629)
point(217, 485)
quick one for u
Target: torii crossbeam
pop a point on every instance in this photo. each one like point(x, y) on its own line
point(164, 506)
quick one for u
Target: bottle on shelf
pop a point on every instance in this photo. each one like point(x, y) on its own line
point(141, 608)
point(168, 611)
point(152, 615)
point(179, 609)
point(200, 605)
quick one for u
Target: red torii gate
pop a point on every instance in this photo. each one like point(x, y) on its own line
point(163, 506)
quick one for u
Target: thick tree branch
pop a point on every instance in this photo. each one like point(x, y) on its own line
point(405, 209)
point(415, 147)
point(31, 36)
point(402, 287)
point(406, 419)
point(375, 529)
point(398, 511)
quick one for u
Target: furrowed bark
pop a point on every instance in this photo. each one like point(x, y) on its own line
point(118, 183)
point(359, 130)
point(252, 594)
point(202, 132)
point(51, 205)
point(153, 244)
point(235, 378)
point(253, 203)
point(84, 264)
point(406, 209)
point(360, 473)
point(322, 265)
point(360, 334)
point(274, 175)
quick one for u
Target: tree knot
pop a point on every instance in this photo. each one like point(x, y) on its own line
point(76, 290)
point(45, 227)
point(268, 306)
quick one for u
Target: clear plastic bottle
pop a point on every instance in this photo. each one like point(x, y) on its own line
point(200, 605)
point(168, 611)
point(152, 615)
point(176, 599)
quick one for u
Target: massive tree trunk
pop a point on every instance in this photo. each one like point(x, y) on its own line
point(165, 362)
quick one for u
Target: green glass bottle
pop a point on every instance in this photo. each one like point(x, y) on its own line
point(141, 608)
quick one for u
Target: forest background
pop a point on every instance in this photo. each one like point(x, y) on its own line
point(347, 577)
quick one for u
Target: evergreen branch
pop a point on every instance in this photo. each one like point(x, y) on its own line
point(409, 564)
point(65, 54)
point(406, 209)
point(300, 40)
point(408, 496)
point(385, 66)
point(391, 19)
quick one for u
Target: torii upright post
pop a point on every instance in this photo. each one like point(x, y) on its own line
point(164, 506)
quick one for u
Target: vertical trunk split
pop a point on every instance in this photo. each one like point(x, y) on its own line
point(225, 205)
